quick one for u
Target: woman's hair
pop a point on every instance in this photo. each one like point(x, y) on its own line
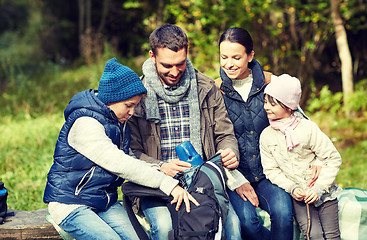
point(238, 35)
point(168, 36)
point(273, 101)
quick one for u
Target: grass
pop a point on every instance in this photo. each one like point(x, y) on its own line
point(26, 151)
point(350, 138)
point(27, 146)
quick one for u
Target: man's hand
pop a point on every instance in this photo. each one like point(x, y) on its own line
point(179, 194)
point(174, 167)
point(299, 194)
point(229, 158)
point(247, 192)
point(311, 197)
point(314, 175)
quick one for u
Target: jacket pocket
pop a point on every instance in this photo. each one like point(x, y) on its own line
point(84, 181)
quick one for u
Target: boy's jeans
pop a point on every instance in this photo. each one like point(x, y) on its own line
point(85, 223)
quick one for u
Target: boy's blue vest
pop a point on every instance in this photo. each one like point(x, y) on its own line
point(73, 178)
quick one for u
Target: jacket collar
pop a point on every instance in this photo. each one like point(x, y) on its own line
point(257, 85)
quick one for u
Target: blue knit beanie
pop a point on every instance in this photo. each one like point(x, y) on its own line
point(118, 83)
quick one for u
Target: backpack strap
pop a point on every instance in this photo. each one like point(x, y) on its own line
point(267, 76)
point(131, 190)
point(134, 221)
point(219, 81)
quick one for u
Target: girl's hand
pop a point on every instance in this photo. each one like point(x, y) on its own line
point(247, 192)
point(179, 194)
point(311, 197)
point(314, 176)
point(299, 194)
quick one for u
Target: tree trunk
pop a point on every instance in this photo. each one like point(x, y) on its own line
point(343, 51)
point(106, 5)
point(160, 15)
point(81, 5)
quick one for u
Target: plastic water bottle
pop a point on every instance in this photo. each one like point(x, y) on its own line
point(186, 152)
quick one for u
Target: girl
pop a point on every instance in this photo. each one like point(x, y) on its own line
point(91, 160)
point(289, 148)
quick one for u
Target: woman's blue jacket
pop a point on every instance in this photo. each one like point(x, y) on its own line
point(249, 119)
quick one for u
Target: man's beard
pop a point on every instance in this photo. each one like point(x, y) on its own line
point(163, 78)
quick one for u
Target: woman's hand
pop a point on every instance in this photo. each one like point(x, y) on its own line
point(229, 158)
point(298, 194)
point(247, 192)
point(179, 194)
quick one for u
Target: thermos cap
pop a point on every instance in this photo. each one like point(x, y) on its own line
point(186, 152)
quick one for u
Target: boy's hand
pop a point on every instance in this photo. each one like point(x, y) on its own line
point(299, 194)
point(179, 194)
point(174, 167)
point(229, 158)
point(311, 197)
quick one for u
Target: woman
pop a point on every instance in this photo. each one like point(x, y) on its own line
point(242, 83)
point(91, 160)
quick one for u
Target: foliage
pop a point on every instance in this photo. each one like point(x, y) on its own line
point(35, 86)
point(13, 14)
point(358, 100)
point(326, 101)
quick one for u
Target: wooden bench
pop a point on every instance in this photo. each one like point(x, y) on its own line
point(28, 225)
point(34, 224)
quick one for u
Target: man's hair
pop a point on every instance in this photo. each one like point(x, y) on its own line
point(168, 36)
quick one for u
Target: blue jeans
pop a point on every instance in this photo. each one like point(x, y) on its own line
point(160, 221)
point(274, 201)
point(86, 223)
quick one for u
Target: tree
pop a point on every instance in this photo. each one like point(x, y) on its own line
point(343, 50)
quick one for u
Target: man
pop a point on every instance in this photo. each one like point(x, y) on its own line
point(182, 104)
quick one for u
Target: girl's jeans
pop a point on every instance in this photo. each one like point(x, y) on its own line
point(85, 223)
point(274, 201)
point(159, 217)
point(324, 219)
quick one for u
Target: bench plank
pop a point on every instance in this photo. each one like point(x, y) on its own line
point(28, 225)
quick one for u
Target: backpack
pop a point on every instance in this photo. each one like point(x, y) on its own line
point(206, 184)
point(3, 205)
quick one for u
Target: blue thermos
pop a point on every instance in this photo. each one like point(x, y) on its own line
point(3, 205)
point(186, 152)
point(3, 190)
